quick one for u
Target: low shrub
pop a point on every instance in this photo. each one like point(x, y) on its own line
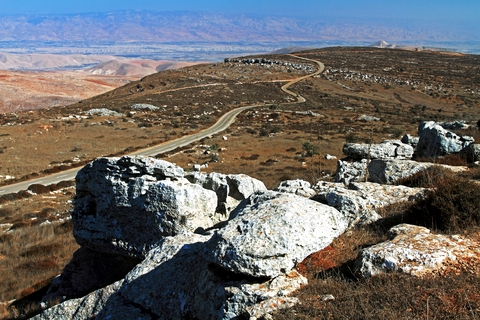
point(428, 178)
point(451, 207)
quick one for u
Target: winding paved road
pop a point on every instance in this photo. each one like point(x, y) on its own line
point(223, 123)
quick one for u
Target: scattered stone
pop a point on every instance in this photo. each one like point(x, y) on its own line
point(199, 167)
point(414, 250)
point(366, 118)
point(103, 112)
point(298, 187)
point(4, 227)
point(144, 106)
point(330, 157)
point(327, 297)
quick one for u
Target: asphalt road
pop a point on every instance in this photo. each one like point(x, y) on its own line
point(223, 123)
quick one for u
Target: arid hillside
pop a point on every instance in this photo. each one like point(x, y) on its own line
point(397, 88)
point(364, 95)
point(37, 81)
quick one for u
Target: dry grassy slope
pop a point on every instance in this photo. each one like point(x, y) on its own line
point(265, 142)
point(445, 87)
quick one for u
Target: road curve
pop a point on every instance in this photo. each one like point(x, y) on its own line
point(224, 122)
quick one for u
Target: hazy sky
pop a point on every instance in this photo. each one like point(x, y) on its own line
point(468, 10)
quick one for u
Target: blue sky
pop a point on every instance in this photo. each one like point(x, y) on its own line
point(457, 10)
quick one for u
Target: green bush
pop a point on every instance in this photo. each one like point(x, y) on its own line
point(309, 149)
point(352, 138)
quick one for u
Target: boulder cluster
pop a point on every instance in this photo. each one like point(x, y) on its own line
point(390, 161)
point(161, 243)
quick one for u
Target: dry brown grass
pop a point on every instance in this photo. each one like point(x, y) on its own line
point(32, 256)
point(37, 246)
point(394, 296)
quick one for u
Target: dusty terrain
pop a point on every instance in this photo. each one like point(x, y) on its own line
point(37, 81)
point(400, 88)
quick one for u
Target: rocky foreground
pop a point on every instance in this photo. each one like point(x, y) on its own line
point(161, 243)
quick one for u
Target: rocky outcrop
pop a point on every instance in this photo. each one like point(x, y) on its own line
point(141, 213)
point(270, 231)
point(359, 202)
point(388, 149)
point(383, 171)
point(118, 197)
point(416, 251)
point(159, 244)
point(435, 141)
point(178, 281)
point(351, 171)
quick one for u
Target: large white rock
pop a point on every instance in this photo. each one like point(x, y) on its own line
point(270, 231)
point(242, 186)
point(390, 171)
point(384, 171)
point(125, 205)
point(177, 281)
point(360, 201)
point(388, 149)
point(435, 141)
point(416, 251)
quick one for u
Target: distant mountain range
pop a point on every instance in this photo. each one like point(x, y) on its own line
point(148, 26)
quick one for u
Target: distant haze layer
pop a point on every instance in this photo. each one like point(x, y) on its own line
point(214, 27)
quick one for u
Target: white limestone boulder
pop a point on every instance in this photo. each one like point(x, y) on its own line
point(414, 250)
point(360, 201)
point(177, 281)
point(435, 141)
point(125, 205)
point(388, 149)
point(270, 232)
